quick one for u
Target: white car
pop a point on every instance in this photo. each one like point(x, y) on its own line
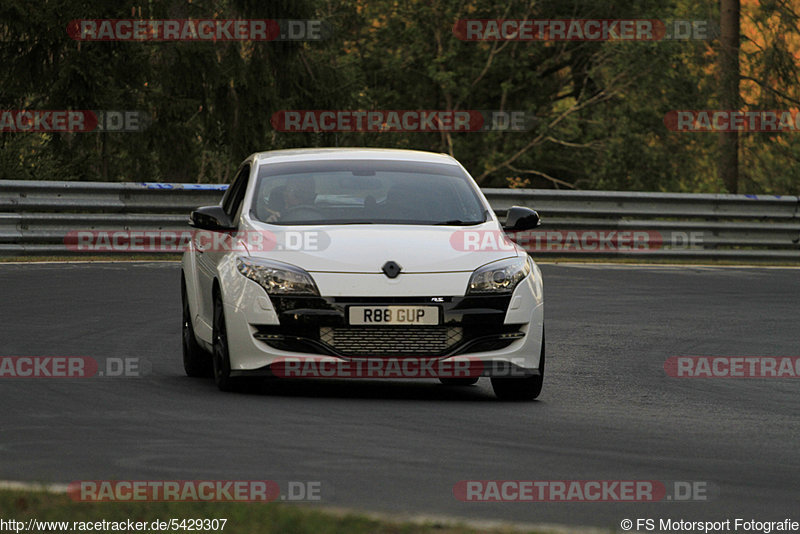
point(342, 262)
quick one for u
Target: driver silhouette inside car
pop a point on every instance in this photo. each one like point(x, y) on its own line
point(299, 192)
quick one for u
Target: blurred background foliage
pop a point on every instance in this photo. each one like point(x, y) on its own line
point(599, 105)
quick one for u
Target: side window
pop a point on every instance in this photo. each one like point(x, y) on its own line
point(235, 194)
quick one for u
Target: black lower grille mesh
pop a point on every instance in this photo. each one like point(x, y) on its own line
point(391, 341)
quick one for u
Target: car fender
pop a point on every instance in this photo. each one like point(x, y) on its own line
point(189, 270)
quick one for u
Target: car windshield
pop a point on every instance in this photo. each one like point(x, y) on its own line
point(366, 192)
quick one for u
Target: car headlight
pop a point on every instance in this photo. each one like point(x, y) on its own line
point(277, 278)
point(500, 276)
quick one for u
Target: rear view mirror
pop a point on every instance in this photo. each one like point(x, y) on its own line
point(211, 218)
point(520, 218)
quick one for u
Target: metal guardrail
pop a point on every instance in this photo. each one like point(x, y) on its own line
point(36, 216)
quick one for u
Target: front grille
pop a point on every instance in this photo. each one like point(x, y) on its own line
point(391, 340)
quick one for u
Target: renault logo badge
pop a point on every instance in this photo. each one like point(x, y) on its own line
point(391, 269)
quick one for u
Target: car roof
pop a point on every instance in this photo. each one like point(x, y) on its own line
point(391, 154)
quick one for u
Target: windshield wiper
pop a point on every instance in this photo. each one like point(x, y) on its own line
point(457, 222)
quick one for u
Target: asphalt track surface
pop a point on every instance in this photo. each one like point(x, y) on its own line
point(608, 410)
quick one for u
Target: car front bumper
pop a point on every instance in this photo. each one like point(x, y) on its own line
point(492, 335)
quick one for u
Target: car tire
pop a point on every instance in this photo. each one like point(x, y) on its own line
point(459, 381)
point(196, 361)
point(520, 389)
point(221, 357)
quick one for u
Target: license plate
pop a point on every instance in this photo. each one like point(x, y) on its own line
point(380, 315)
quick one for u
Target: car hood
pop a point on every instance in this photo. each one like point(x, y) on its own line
point(367, 248)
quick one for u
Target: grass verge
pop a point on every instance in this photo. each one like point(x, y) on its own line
point(244, 518)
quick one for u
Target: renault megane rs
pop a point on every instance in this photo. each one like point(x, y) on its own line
point(352, 261)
